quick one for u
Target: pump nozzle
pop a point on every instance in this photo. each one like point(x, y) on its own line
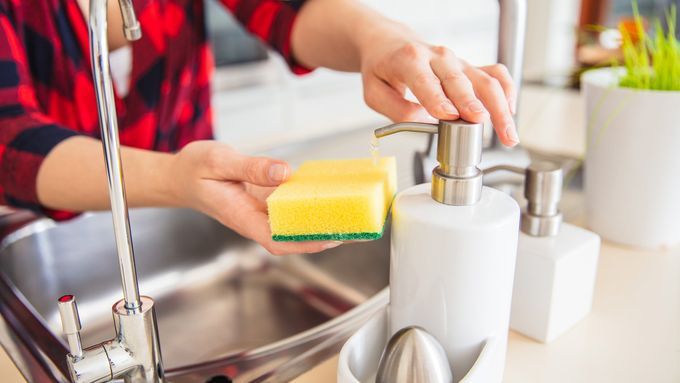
point(457, 180)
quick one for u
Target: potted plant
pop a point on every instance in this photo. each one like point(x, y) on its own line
point(632, 163)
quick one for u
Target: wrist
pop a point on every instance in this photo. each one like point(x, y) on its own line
point(163, 181)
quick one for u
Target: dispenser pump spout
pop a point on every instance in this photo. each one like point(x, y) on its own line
point(457, 180)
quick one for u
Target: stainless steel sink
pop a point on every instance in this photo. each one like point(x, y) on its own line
point(226, 308)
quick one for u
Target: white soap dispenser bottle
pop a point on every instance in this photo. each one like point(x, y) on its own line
point(556, 261)
point(454, 244)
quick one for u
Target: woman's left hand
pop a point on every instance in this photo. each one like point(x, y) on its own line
point(446, 86)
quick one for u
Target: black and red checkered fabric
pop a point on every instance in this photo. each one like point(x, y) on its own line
point(47, 92)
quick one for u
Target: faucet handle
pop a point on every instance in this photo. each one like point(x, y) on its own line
point(70, 324)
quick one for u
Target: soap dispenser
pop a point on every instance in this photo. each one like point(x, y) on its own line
point(556, 261)
point(453, 250)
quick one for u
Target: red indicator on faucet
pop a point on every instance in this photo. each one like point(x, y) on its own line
point(66, 298)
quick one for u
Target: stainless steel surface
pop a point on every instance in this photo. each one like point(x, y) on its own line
point(134, 353)
point(543, 191)
point(541, 226)
point(543, 188)
point(511, 37)
point(70, 324)
point(92, 366)
point(224, 305)
point(507, 168)
point(460, 144)
point(413, 355)
point(457, 180)
point(108, 123)
point(415, 127)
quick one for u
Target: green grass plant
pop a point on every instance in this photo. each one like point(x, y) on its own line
point(652, 61)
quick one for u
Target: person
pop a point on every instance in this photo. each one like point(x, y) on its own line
point(50, 155)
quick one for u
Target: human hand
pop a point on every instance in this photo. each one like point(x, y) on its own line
point(215, 179)
point(447, 87)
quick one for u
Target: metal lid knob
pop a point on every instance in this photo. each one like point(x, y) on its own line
point(543, 191)
point(460, 147)
point(543, 188)
point(457, 180)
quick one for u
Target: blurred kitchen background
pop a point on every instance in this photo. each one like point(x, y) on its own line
point(259, 104)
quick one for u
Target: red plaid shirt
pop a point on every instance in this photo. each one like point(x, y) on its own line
point(47, 92)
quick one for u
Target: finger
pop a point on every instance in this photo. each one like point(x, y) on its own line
point(410, 66)
point(427, 88)
point(230, 165)
point(390, 102)
point(500, 72)
point(489, 90)
point(259, 192)
point(459, 88)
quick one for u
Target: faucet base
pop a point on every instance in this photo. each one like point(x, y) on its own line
point(134, 355)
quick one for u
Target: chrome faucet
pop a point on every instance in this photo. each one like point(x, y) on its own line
point(134, 355)
point(511, 34)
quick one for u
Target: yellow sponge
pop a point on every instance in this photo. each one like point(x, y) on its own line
point(334, 200)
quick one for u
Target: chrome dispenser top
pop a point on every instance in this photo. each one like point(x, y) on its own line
point(457, 180)
point(543, 191)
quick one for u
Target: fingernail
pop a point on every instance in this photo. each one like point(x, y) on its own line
point(278, 172)
point(331, 245)
point(475, 107)
point(448, 108)
point(511, 133)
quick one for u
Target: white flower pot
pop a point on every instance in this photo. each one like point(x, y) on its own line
point(632, 164)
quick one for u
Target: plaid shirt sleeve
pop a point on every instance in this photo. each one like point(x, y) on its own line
point(26, 134)
point(272, 21)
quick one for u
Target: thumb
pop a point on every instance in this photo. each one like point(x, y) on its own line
point(258, 170)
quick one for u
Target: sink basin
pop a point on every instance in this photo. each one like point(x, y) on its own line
point(226, 308)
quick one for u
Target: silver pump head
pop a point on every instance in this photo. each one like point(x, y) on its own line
point(457, 180)
point(543, 191)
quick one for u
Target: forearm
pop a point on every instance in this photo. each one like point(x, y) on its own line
point(333, 33)
point(73, 177)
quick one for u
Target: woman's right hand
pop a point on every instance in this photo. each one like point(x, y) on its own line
point(215, 179)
